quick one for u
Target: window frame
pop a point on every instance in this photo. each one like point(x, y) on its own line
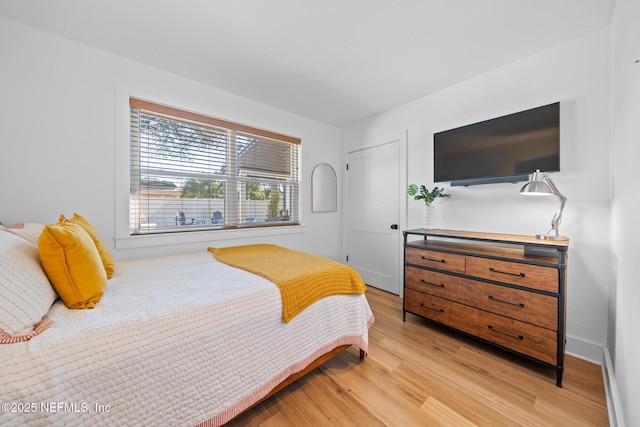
point(125, 240)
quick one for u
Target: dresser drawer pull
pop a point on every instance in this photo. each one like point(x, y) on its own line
point(441, 285)
point(432, 309)
point(491, 269)
point(518, 337)
point(521, 305)
point(432, 259)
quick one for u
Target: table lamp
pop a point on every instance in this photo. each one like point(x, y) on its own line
point(542, 185)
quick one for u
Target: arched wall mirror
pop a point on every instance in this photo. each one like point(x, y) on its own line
point(324, 189)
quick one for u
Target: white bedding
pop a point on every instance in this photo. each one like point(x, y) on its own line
point(174, 341)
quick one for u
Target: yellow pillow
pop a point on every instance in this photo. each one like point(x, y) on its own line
point(73, 265)
point(105, 255)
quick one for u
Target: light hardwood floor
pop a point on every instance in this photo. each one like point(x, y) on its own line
point(419, 374)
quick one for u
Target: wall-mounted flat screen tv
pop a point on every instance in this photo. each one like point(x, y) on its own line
point(504, 149)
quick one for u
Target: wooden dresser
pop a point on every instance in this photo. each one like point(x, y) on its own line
point(504, 289)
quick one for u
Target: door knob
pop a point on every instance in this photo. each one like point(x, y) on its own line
point(394, 226)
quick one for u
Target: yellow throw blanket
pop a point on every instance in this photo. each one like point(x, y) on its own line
point(302, 278)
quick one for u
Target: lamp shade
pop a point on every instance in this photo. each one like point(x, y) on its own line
point(536, 188)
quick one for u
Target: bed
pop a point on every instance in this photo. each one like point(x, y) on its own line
point(182, 340)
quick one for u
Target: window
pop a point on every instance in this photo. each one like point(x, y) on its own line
point(194, 172)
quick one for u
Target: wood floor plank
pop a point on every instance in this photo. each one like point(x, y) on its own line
point(378, 390)
point(420, 374)
point(438, 414)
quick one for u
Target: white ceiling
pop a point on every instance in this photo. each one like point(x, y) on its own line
point(335, 61)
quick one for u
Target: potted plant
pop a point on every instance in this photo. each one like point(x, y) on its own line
point(423, 193)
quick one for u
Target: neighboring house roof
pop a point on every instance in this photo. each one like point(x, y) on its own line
point(153, 188)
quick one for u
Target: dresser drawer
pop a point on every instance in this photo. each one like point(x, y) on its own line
point(531, 276)
point(536, 309)
point(430, 282)
point(524, 338)
point(449, 313)
point(435, 259)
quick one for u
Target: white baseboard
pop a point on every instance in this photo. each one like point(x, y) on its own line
point(584, 350)
point(616, 418)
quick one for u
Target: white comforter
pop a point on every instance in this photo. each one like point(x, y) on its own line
point(174, 341)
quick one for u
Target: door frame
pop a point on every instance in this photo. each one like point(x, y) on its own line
point(372, 142)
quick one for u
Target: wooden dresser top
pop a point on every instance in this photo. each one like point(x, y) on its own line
point(490, 237)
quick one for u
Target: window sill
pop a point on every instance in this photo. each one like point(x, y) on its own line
point(144, 241)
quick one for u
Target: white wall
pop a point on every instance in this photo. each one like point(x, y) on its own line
point(62, 136)
point(578, 75)
point(624, 344)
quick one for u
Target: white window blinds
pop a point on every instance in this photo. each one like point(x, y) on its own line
point(194, 172)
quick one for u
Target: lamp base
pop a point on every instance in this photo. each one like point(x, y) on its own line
point(549, 237)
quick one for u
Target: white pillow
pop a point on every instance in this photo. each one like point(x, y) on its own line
point(25, 292)
point(29, 231)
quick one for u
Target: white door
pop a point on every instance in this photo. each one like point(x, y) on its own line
point(373, 241)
